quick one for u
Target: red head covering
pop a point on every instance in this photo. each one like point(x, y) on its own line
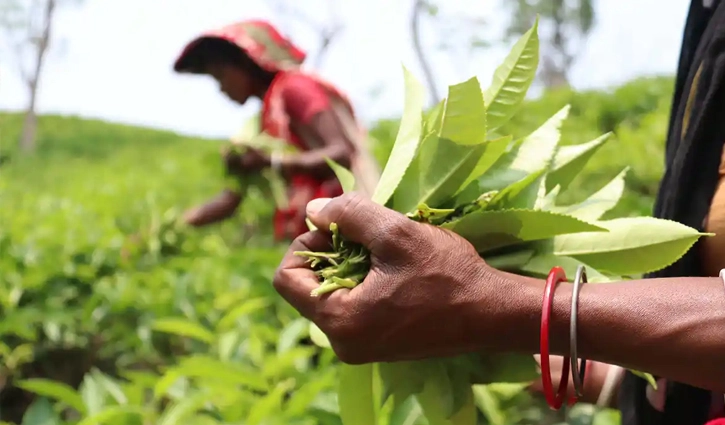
point(261, 41)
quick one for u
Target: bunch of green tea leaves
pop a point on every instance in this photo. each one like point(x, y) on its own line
point(345, 267)
point(450, 168)
point(268, 180)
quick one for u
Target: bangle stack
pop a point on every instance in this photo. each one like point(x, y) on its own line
point(578, 367)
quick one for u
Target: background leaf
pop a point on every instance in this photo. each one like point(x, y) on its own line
point(347, 179)
point(183, 327)
point(41, 412)
point(55, 390)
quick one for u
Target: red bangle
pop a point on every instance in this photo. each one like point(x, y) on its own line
point(556, 275)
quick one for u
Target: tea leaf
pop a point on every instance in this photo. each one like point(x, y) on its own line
point(231, 372)
point(406, 142)
point(402, 379)
point(183, 409)
point(41, 412)
point(494, 150)
point(184, 327)
point(631, 245)
point(269, 404)
point(436, 399)
point(436, 174)
point(646, 376)
point(55, 390)
point(433, 118)
point(533, 154)
point(346, 178)
point(319, 337)
point(519, 195)
point(487, 230)
point(244, 309)
point(460, 380)
point(570, 161)
point(512, 79)
point(290, 335)
point(110, 386)
point(92, 394)
point(511, 261)
point(489, 405)
point(464, 117)
point(594, 207)
point(541, 263)
point(547, 201)
point(506, 368)
point(406, 412)
point(107, 415)
point(355, 394)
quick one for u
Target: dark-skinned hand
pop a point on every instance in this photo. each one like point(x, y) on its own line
point(251, 161)
point(425, 295)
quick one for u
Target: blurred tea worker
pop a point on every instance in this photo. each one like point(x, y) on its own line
point(252, 59)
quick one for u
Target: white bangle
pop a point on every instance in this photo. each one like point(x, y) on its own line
point(275, 160)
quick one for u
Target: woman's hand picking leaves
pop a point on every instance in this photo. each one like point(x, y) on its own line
point(425, 294)
point(251, 161)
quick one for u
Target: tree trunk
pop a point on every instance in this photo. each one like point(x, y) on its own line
point(30, 129)
point(415, 33)
point(30, 124)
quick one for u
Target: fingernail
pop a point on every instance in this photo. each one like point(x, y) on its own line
point(316, 205)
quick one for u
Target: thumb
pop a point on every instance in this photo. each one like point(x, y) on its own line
point(358, 218)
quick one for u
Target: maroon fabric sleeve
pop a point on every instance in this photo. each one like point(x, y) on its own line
point(304, 98)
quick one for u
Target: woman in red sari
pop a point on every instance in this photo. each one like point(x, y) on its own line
point(252, 59)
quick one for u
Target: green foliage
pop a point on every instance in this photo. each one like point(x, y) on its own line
point(182, 326)
point(637, 115)
point(106, 300)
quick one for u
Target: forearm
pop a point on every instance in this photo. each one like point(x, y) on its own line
point(314, 163)
point(218, 209)
point(673, 328)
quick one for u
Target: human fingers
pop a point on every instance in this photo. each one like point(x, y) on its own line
point(294, 280)
point(360, 219)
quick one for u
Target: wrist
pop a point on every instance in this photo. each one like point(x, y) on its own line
point(504, 313)
point(521, 302)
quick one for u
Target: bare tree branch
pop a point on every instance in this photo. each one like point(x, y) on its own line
point(326, 32)
point(419, 7)
point(28, 27)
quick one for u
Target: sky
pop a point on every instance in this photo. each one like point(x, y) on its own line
point(112, 59)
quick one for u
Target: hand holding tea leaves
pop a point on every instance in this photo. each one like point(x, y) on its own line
point(420, 295)
point(392, 282)
point(250, 161)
